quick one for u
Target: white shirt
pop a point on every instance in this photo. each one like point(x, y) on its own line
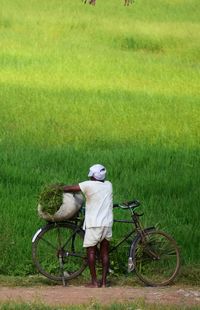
point(99, 203)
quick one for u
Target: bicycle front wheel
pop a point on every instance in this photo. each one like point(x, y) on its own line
point(58, 252)
point(156, 258)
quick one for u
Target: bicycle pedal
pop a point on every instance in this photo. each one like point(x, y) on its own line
point(111, 271)
point(131, 265)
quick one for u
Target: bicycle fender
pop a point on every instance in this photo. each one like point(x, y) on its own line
point(36, 234)
point(132, 248)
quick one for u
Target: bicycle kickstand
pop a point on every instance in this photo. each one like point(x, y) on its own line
point(62, 271)
point(63, 280)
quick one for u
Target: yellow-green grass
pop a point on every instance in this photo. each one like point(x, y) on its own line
point(96, 306)
point(82, 84)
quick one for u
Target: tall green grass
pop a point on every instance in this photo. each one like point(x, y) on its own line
point(108, 84)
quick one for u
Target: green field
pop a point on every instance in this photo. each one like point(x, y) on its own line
point(108, 84)
point(95, 306)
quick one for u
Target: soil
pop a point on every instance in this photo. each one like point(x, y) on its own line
point(71, 295)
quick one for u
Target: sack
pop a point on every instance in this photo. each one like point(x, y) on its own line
point(70, 206)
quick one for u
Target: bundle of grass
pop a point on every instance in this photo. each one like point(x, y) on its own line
point(51, 198)
point(54, 205)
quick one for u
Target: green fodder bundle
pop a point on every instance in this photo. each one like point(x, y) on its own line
point(51, 198)
point(55, 205)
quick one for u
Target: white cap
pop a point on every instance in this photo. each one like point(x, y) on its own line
point(98, 172)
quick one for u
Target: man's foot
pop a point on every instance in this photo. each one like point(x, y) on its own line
point(102, 284)
point(92, 285)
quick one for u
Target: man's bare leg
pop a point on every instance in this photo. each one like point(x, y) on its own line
point(104, 253)
point(91, 255)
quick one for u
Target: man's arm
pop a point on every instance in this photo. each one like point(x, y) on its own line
point(71, 188)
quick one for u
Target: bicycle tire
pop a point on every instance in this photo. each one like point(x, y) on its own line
point(57, 251)
point(156, 258)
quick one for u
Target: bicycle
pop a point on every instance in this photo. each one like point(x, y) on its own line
point(58, 253)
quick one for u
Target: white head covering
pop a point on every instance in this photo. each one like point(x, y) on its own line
point(98, 172)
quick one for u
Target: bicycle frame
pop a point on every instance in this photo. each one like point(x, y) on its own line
point(135, 230)
point(113, 248)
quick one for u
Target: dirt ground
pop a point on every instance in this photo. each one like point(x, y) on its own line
point(70, 295)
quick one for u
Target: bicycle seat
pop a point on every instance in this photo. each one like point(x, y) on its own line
point(128, 205)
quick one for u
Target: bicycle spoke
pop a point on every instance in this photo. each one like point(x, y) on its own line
point(47, 242)
point(156, 259)
point(58, 252)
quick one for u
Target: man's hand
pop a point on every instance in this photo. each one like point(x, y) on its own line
point(127, 2)
point(92, 2)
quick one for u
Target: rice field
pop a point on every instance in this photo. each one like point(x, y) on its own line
point(107, 84)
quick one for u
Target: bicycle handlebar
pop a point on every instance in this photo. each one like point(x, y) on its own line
point(127, 205)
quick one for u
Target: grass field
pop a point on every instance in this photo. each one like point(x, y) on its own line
point(95, 306)
point(108, 84)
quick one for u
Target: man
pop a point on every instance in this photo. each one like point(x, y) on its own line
point(98, 219)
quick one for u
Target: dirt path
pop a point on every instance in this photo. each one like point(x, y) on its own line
point(58, 295)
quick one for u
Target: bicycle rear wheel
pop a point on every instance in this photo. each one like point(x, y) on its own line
point(156, 258)
point(58, 252)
